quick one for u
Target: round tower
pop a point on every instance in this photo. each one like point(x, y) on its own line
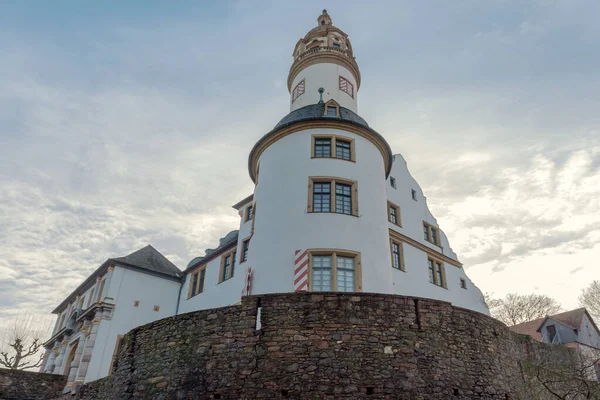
point(320, 175)
point(323, 59)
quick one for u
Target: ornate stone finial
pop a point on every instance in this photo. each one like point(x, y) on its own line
point(324, 19)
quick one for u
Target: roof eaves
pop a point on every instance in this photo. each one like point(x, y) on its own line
point(243, 202)
point(213, 255)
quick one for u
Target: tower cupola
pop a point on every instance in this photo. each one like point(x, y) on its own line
point(323, 58)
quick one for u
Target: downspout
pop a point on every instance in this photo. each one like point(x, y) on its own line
point(179, 296)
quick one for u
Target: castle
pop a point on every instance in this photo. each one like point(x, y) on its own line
point(333, 210)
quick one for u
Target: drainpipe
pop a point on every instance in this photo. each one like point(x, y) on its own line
point(179, 296)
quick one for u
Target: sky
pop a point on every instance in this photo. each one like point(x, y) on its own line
point(124, 124)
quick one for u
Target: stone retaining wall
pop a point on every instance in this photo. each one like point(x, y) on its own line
point(322, 346)
point(24, 385)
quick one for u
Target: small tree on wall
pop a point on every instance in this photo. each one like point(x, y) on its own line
point(515, 308)
point(21, 342)
point(590, 299)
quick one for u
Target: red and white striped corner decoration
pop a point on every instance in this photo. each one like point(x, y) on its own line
point(247, 283)
point(301, 271)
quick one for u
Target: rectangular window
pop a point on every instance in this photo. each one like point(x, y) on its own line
point(338, 147)
point(322, 148)
point(346, 86)
point(463, 283)
point(321, 197)
point(298, 90)
point(100, 291)
point(431, 234)
point(194, 284)
point(245, 247)
point(197, 282)
point(249, 213)
point(201, 281)
point(345, 274)
point(227, 266)
point(332, 270)
point(413, 193)
point(331, 111)
point(431, 270)
point(437, 275)
point(321, 273)
point(397, 256)
point(342, 199)
point(394, 214)
point(393, 182)
point(343, 149)
point(90, 298)
point(336, 45)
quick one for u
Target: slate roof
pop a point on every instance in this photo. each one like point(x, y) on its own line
point(146, 259)
point(573, 319)
point(316, 111)
point(150, 259)
point(224, 243)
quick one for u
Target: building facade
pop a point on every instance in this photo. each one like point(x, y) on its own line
point(123, 293)
point(333, 208)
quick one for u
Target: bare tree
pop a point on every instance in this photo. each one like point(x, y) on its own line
point(21, 341)
point(515, 308)
point(590, 299)
point(568, 377)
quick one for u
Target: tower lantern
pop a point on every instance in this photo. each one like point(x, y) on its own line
point(324, 58)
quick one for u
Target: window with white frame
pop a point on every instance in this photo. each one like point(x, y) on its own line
point(334, 271)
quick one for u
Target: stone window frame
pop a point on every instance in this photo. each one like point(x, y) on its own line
point(245, 242)
point(348, 85)
point(232, 254)
point(298, 90)
point(435, 281)
point(334, 253)
point(429, 230)
point(397, 242)
point(333, 151)
point(398, 217)
point(333, 180)
point(194, 288)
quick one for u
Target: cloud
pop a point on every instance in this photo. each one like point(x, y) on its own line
point(118, 132)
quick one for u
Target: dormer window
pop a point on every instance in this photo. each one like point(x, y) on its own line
point(332, 109)
point(336, 46)
point(322, 22)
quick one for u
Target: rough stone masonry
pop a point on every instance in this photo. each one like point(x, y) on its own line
point(322, 346)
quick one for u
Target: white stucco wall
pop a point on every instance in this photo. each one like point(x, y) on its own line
point(215, 294)
point(126, 287)
point(283, 224)
point(415, 281)
point(324, 75)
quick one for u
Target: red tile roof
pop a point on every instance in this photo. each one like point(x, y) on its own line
point(572, 319)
